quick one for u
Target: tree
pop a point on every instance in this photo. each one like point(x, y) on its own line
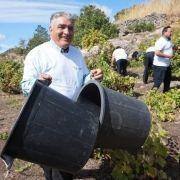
point(92, 18)
point(40, 36)
point(22, 43)
point(21, 48)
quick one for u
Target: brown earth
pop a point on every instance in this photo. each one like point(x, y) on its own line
point(10, 106)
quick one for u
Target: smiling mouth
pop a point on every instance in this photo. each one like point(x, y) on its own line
point(65, 38)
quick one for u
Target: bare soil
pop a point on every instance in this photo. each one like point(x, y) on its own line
point(10, 106)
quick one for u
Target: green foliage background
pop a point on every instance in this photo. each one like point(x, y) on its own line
point(40, 36)
point(90, 19)
point(10, 76)
point(92, 38)
point(176, 59)
point(142, 27)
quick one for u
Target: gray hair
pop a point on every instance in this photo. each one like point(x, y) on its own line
point(61, 14)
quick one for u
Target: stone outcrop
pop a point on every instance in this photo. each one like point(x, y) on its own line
point(132, 41)
point(158, 20)
point(90, 53)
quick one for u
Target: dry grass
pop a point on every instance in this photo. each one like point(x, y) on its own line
point(170, 7)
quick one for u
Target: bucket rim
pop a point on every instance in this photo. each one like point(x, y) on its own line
point(102, 96)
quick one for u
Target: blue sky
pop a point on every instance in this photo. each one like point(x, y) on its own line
point(19, 18)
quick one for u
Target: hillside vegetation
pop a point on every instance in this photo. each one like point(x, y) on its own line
point(169, 7)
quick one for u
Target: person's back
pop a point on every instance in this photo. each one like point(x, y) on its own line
point(119, 55)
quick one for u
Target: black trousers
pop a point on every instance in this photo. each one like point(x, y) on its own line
point(121, 66)
point(162, 74)
point(55, 174)
point(148, 62)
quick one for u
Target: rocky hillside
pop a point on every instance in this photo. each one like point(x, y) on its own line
point(12, 54)
point(158, 20)
point(130, 41)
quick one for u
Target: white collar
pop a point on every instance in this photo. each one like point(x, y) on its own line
point(55, 45)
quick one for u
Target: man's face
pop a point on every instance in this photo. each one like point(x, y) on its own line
point(61, 31)
point(168, 33)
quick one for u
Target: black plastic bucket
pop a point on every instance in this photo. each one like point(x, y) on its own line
point(124, 121)
point(52, 130)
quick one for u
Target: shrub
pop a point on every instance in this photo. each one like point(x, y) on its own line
point(176, 58)
point(138, 62)
point(3, 135)
point(141, 27)
point(176, 65)
point(10, 76)
point(94, 37)
point(163, 104)
point(148, 163)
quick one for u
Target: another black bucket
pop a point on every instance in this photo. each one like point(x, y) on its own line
point(52, 130)
point(124, 121)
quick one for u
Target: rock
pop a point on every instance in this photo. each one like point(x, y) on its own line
point(159, 20)
point(90, 53)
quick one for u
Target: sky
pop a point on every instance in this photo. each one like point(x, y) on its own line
point(19, 18)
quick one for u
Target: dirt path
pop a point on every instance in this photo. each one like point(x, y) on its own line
point(10, 108)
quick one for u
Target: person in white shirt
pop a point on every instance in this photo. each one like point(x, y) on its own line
point(60, 63)
point(120, 57)
point(161, 63)
point(148, 63)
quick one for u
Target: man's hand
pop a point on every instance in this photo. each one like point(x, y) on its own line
point(45, 77)
point(96, 74)
point(176, 48)
point(170, 56)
